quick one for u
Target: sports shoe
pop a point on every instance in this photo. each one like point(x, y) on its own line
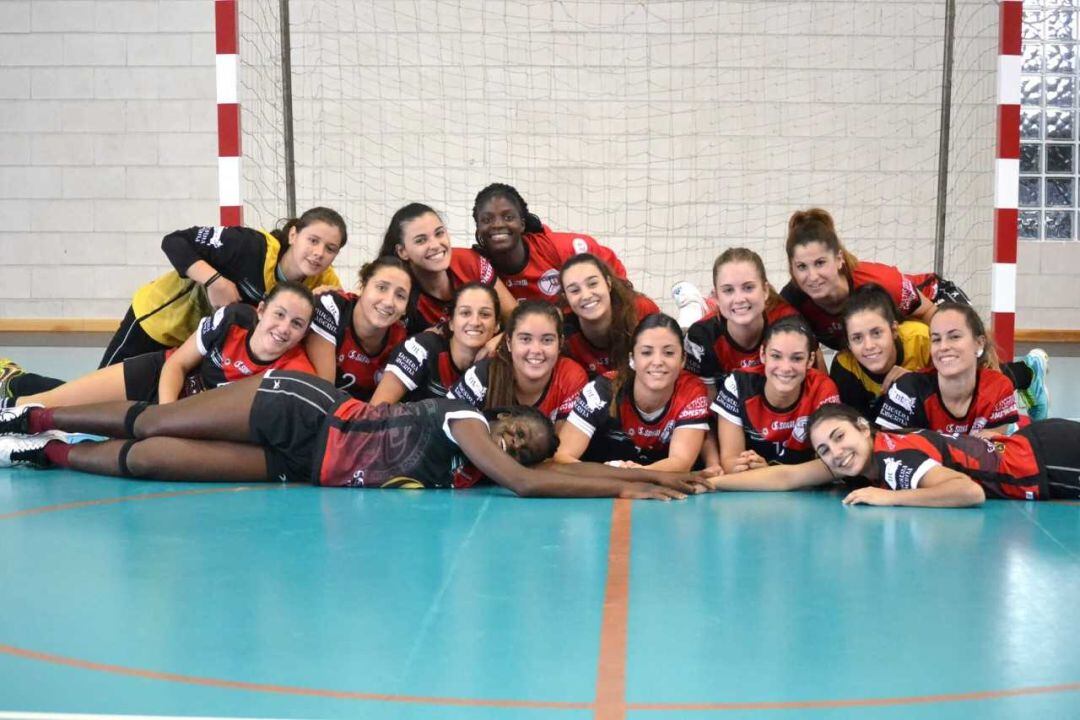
point(690, 302)
point(28, 450)
point(16, 420)
point(1036, 395)
point(9, 370)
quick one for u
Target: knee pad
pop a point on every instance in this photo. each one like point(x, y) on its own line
point(132, 415)
point(125, 471)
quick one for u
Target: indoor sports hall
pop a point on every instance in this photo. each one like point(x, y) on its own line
point(941, 136)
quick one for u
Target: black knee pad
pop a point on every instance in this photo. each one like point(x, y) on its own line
point(125, 471)
point(132, 415)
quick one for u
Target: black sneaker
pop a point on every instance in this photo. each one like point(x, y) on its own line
point(16, 420)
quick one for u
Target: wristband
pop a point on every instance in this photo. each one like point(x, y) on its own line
point(213, 277)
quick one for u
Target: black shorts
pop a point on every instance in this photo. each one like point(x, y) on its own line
point(128, 341)
point(141, 376)
point(1057, 449)
point(287, 415)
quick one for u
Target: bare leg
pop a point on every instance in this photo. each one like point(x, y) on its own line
point(100, 386)
point(163, 458)
point(220, 414)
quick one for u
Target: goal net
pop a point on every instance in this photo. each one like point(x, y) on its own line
point(668, 130)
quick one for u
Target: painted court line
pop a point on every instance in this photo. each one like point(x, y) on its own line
point(124, 498)
point(611, 668)
point(84, 716)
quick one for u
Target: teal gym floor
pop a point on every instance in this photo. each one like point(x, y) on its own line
point(168, 599)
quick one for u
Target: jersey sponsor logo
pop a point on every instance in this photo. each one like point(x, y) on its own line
point(549, 282)
point(330, 308)
point(359, 357)
point(521, 282)
point(1006, 407)
point(958, 429)
point(592, 398)
point(487, 271)
point(694, 350)
point(696, 408)
point(241, 366)
point(897, 475)
point(209, 236)
point(580, 245)
point(472, 380)
point(799, 431)
point(414, 348)
point(216, 318)
point(901, 398)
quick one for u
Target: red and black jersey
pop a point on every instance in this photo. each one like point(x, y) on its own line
point(423, 365)
point(779, 435)
point(224, 341)
point(829, 328)
point(405, 445)
point(466, 266)
point(597, 361)
point(914, 401)
point(567, 379)
point(545, 254)
point(629, 435)
point(711, 353)
point(358, 371)
point(1006, 467)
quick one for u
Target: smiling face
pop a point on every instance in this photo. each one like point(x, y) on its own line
point(474, 321)
point(787, 358)
point(740, 292)
point(872, 340)
point(954, 349)
point(314, 248)
point(657, 358)
point(817, 270)
point(282, 324)
point(534, 347)
point(587, 291)
point(384, 297)
point(847, 449)
point(425, 243)
point(522, 438)
point(499, 225)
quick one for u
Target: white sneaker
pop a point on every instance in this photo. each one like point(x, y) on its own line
point(16, 420)
point(690, 301)
point(28, 450)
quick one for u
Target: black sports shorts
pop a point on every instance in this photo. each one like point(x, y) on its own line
point(287, 415)
point(141, 375)
point(1057, 449)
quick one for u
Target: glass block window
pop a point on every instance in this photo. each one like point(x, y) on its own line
point(1048, 121)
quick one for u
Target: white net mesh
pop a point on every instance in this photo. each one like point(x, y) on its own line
point(668, 130)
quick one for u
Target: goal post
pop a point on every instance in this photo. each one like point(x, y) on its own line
point(669, 130)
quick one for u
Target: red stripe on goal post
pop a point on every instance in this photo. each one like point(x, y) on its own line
point(1007, 178)
point(226, 29)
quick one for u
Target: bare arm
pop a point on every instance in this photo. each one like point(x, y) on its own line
point(775, 478)
point(323, 356)
point(572, 444)
point(940, 487)
point(684, 450)
point(507, 302)
point(185, 359)
point(473, 439)
point(925, 311)
point(390, 389)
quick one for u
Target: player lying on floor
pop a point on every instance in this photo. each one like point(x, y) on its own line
point(297, 427)
point(927, 468)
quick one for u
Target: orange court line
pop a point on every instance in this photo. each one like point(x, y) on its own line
point(285, 689)
point(125, 498)
point(611, 668)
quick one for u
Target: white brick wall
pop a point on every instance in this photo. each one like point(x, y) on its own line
point(669, 130)
point(107, 141)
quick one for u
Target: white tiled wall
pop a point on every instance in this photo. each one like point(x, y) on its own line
point(669, 130)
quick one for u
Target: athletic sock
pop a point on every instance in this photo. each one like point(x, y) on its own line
point(40, 420)
point(57, 452)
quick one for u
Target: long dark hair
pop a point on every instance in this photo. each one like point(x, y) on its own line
point(488, 289)
point(368, 270)
point(294, 287)
point(870, 298)
point(394, 231)
point(624, 376)
point(623, 309)
point(501, 369)
point(315, 214)
point(510, 193)
point(816, 225)
point(837, 411)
